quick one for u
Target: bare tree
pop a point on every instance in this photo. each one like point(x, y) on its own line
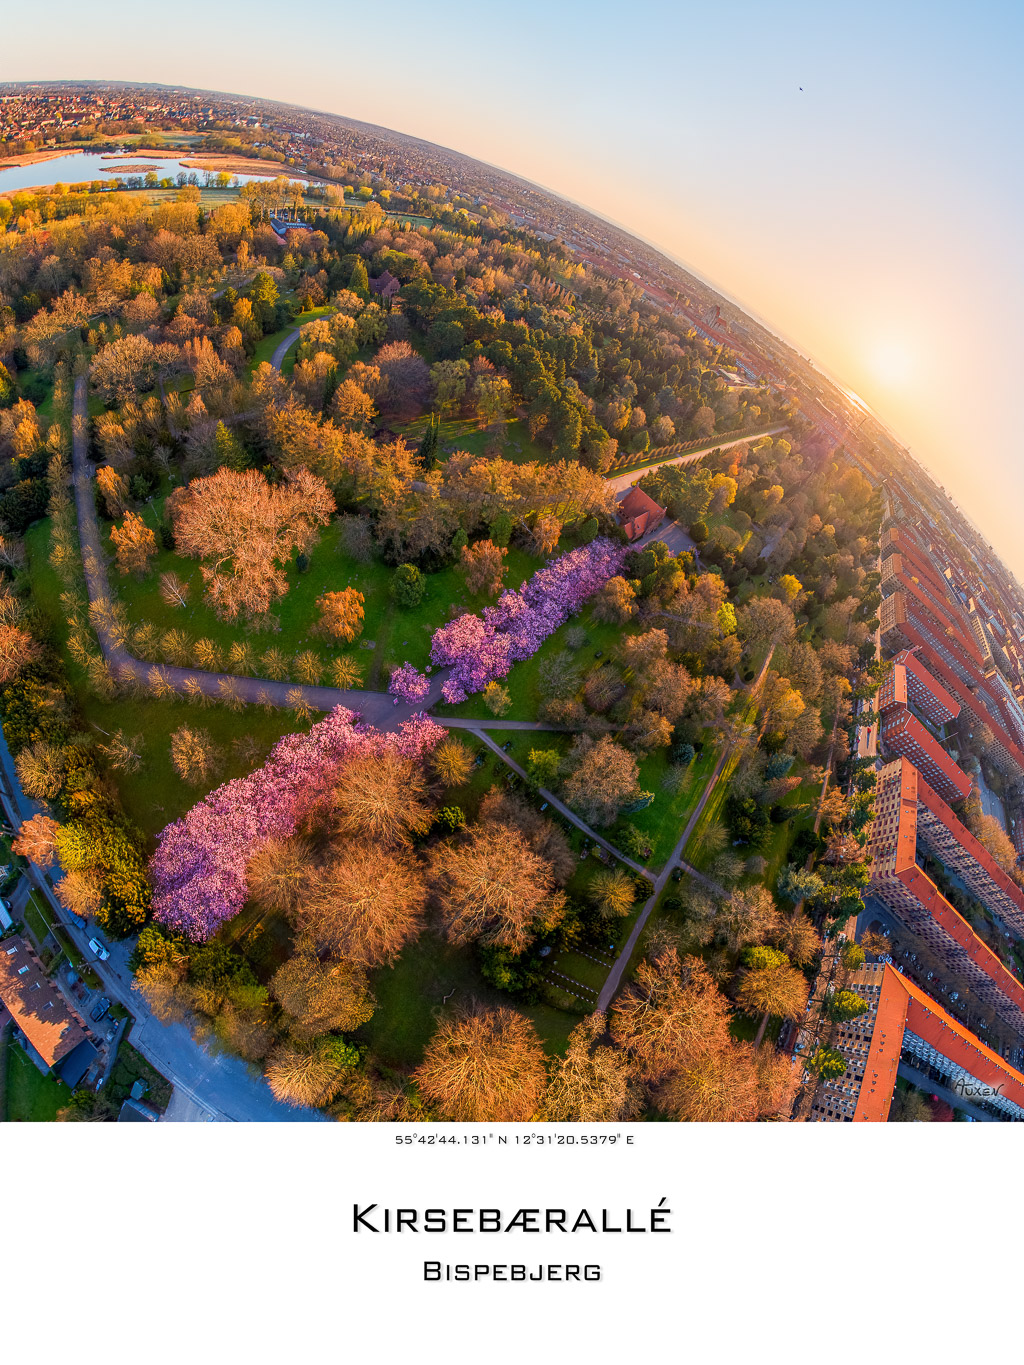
point(365, 904)
point(37, 840)
point(592, 1082)
point(322, 997)
point(382, 797)
point(492, 888)
point(484, 1065)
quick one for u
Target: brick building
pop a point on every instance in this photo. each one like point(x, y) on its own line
point(903, 1024)
point(905, 888)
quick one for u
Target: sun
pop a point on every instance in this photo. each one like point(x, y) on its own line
point(891, 362)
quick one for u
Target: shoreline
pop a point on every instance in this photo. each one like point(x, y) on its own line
point(11, 163)
point(240, 165)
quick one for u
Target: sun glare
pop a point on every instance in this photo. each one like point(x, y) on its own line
point(891, 362)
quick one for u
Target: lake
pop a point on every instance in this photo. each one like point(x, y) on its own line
point(76, 167)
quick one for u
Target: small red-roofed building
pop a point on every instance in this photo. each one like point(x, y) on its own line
point(639, 514)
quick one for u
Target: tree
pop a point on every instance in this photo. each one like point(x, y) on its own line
point(174, 590)
point(852, 956)
point(124, 367)
point(364, 904)
point(543, 765)
point(613, 892)
point(497, 699)
point(615, 602)
point(406, 378)
point(407, 586)
point(764, 621)
point(135, 545)
point(341, 614)
point(37, 840)
point(311, 1073)
point(17, 650)
point(42, 770)
point(663, 1020)
point(483, 568)
point(789, 587)
point(321, 997)
point(546, 533)
point(798, 884)
point(827, 1062)
point(846, 1005)
point(774, 992)
point(602, 778)
point(591, 1083)
point(492, 888)
point(878, 945)
point(483, 1065)
point(382, 797)
point(193, 755)
point(81, 892)
point(246, 530)
point(799, 939)
point(114, 490)
point(276, 875)
point(994, 839)
point(359, 280)
point(728, 1083)
point(909, 1106)
point(452, 762)
point(124, 752)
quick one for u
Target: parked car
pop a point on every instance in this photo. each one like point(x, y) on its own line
point(99, 1009)
point(100, 949)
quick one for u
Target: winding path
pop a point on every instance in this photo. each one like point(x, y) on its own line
point(277, 359)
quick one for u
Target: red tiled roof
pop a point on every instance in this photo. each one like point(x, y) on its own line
point(35, 1004)
point(639, 513)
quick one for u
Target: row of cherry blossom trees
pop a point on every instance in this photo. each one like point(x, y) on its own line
point(199, 868)
point(479, 651)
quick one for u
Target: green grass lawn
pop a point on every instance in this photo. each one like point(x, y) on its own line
point(664, 820)
point(776, 851)
point(466, 434)
point(396, 634)
point(267, 345)
point(31, 1096)
point(410, 994)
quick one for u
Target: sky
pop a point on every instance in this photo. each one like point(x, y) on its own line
point(853, 173)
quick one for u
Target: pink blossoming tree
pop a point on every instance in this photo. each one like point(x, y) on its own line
point(199, 868)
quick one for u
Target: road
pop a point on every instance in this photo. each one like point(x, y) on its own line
point(622, 482)
point(223, 1087)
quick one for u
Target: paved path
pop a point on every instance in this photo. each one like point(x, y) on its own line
point(614, 978)
point(622, 482)
point(277, 359)
point(560, 806)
